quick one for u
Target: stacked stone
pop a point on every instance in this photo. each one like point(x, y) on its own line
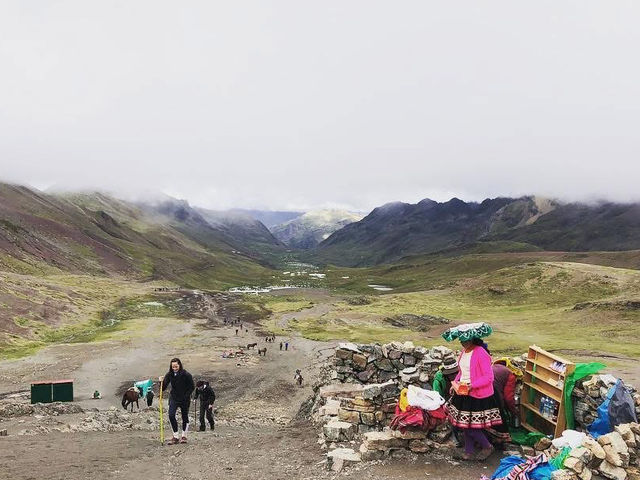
point(613, 456)
point(372, 409)
point(402, 362)
point(590, 393)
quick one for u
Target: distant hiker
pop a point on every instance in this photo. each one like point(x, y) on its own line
point(280, 346)
point(298, 377)
point(181, 387)
point(96, 395)
point(207, 397)
point(236, 331)
point(286, 346)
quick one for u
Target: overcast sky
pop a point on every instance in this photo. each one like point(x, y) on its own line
point(298, 104)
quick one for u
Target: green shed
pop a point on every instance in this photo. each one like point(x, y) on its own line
point(41, 392)
point(52, 391)
point(62, 390)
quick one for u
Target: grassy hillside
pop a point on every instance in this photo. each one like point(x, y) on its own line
point(445, 269)
point(527, 300)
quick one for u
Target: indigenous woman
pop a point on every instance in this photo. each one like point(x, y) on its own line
point(472, 407)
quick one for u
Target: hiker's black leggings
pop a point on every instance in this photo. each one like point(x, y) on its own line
point(184, 410)
point(205, 410)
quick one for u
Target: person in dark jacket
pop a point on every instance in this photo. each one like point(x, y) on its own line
point(207, 397)
point(181, 387)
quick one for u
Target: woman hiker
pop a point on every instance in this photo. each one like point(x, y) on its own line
point(472, 406)
point(181, 387)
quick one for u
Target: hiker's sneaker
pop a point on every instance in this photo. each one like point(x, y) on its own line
point(173, 441)
point(213, 426)
point(183, 440)
point(202, 428)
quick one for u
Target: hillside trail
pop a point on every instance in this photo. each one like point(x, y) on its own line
point(257, 433)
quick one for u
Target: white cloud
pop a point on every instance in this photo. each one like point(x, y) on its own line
point(293, 104)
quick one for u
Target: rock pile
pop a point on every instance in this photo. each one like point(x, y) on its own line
point(590, 393)
point(613, 456)
point(19, 409)
point(402, 362)
point(111, 420)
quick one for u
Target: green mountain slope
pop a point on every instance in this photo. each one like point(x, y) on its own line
point(97, 234)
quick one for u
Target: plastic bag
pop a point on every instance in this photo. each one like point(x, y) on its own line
point(569, 438)
point(558, 461)
point(425, 399)
point(616, 409)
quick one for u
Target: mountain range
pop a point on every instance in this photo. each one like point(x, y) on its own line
point(308, 230)
point(397, 230)
point(169, 239)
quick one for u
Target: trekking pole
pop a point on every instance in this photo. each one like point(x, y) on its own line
point(161, 421)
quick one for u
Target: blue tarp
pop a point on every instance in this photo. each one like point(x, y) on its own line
point(541, 472)
point(616, 409)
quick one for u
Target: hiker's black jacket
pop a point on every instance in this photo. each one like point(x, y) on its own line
point(207, 395)
point(181, 385)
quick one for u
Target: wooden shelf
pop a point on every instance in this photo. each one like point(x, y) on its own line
point(550, 355)
point(546, 367)
point(537, 412)
point(541, 380)
point(545, 380)
point(536, 386)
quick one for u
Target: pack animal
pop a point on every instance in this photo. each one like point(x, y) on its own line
point(262, 351)
point(252, 345)
point(130, 396)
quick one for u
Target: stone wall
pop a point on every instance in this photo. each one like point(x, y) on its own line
point(401, 362)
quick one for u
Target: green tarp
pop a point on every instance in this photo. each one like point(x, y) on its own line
point(582, 370)
point(521, 436)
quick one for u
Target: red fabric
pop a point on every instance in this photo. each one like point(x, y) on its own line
point(416, 417)
point(481, 373)
point(509, 393)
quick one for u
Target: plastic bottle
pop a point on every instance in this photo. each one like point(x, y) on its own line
point(541, 408)
point(546, 413)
